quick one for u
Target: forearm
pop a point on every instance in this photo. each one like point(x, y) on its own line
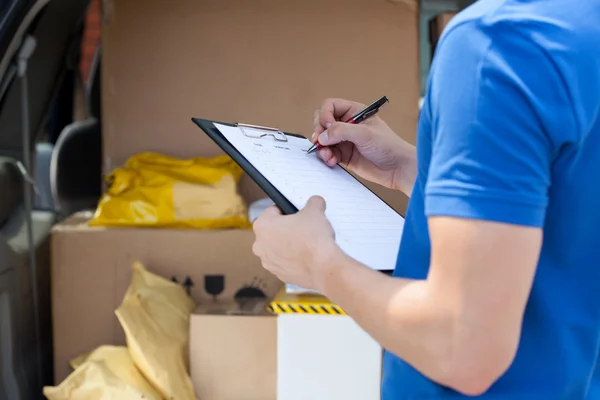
point(405, 174)
point(398, 313)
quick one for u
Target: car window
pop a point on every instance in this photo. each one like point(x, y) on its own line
point(5, 10)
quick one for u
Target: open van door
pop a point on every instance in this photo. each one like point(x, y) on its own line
point(39, 44)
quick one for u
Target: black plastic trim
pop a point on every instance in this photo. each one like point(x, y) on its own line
point(280, 200)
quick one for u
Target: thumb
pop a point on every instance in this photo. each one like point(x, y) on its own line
point(315, 203)
point(344, 132)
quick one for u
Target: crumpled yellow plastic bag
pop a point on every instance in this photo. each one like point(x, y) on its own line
point(77, 361)
point(155, 315)
point(107, 373)
point(154, 190)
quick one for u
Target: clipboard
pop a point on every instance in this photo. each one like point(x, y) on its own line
point(211, 130)
point(286, 207)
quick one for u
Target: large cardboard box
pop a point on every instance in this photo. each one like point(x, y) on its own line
point(91, 270)
point(245, 353)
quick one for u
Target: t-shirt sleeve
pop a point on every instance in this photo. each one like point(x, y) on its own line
point(499, 115)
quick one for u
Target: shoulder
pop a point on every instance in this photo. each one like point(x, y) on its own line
point(561, 30)
point(542, 21)
point(546, 47)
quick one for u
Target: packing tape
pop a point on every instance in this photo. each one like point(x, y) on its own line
point(288, 307)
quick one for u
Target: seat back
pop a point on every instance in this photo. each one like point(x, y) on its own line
point(76, 167)
point(76, 164)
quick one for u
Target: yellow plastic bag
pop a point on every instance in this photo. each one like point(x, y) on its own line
point(155, 315)
point(107, 373)
point(154, 190)
point(77, 361)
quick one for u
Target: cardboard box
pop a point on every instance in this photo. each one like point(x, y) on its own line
point(249, 354)
point(436, 28)
point(91, 270)
point(264, 62)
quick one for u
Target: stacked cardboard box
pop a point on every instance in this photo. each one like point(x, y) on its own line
point(264, 62)
point(303, 348)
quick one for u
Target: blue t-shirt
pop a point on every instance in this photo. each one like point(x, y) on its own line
point(510, 131)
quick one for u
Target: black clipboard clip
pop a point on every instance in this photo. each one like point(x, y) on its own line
point(247, 130)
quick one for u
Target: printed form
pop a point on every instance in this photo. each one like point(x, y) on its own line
point(365, 227)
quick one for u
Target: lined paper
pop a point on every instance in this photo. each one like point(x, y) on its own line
point(366, 228)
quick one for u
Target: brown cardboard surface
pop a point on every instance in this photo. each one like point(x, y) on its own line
point(264, 62)
point(91, 270)
point(443, 20)
point(240, 350)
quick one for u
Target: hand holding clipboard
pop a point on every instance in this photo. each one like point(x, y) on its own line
point(366, 228)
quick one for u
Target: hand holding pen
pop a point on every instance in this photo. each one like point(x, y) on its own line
point(362, 115)
point(370, 149)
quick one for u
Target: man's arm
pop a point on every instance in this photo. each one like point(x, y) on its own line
point(499, 115)
point(461, 326)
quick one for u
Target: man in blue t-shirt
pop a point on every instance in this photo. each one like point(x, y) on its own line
point(496, 291)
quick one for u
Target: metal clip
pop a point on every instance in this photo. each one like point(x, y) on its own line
point(266, 131)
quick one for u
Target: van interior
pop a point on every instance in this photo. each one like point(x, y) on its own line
point(40, 44)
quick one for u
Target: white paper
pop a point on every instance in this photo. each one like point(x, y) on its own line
point(365, 227)
point(258, 207)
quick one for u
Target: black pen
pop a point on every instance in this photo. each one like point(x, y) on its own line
point(366, 113)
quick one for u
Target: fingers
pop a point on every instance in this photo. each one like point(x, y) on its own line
point(266, 215)
point(257, 249)
point(315, 203)
point(272, 211)
point(318, 128)
point(333, 110)
point(330, 155)
point(341, 132)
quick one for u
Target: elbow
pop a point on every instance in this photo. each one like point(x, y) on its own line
point(471, 383)
point(476, 365)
